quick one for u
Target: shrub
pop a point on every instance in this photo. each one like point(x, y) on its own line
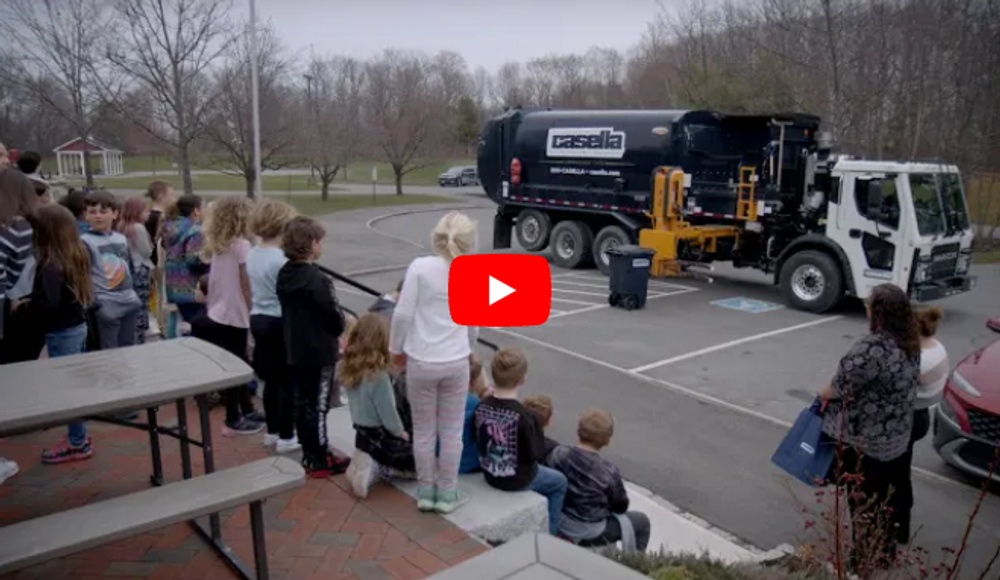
point(665, 566)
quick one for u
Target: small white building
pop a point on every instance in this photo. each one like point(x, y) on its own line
point(70, 162)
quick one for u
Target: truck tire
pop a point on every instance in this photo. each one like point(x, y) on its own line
point(811, 281)
point(609, 237)
point(572, 244)
point(533, 229)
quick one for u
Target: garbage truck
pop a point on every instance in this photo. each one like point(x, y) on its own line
point(766, 192)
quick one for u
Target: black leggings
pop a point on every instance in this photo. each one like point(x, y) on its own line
point(234, 340)
point(270, 364)
point(312, 401)
point(884, 484)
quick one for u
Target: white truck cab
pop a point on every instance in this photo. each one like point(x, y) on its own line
point(902, 223)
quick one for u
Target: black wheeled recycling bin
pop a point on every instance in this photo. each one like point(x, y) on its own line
point(629, 273)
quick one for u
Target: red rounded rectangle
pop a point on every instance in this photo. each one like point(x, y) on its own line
point(500, 290)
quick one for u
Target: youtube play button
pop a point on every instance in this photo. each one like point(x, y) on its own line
point(499, 290)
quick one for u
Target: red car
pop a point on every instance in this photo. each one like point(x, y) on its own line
point(967, 422)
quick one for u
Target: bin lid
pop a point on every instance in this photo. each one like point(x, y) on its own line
point(631, 251)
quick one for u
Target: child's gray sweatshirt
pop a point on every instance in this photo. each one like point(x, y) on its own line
point(110, 273)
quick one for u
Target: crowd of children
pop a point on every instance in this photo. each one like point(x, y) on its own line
point(243, 274)
point(503, 438)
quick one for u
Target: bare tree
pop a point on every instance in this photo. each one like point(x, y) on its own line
point(229, 118)
point(404, 110)
point(332, 124)
point(56, 57)
point(167, 47)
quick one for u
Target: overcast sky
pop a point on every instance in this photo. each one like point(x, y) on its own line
point(486, 32)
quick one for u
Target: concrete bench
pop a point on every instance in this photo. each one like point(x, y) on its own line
point(491, 515)
point(60, 534)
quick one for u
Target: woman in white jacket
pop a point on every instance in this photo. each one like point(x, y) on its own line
point(436, 354)
point(934, 370)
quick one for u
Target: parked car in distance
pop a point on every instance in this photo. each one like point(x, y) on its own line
point(967, 421)
point(459, 176)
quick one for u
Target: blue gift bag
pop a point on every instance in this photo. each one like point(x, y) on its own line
point(806, 453)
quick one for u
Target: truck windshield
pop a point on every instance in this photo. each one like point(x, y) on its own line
point(956, 212)
point(927, 204)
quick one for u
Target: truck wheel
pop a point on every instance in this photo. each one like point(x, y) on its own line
point(572, 244)
point(533, 229)
point(811, 281)
point(609, 237)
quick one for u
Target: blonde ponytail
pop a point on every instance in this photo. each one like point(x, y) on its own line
point(453, 236)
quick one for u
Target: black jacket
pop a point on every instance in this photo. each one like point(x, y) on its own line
point(310, 314)
point(52, 303)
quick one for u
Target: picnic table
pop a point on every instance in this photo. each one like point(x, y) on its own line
point(97, 385)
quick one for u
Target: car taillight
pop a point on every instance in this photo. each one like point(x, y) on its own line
point(953, 409)
point(515, 171)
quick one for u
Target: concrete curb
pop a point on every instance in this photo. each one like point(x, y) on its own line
point(725, 535)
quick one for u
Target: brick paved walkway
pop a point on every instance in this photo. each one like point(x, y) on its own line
point(319, 531)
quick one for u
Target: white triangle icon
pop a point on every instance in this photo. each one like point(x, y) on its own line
point(499, 291)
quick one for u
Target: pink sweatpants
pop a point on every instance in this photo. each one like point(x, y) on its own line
point(437, 394)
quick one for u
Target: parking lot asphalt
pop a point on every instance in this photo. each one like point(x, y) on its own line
point(704, 381)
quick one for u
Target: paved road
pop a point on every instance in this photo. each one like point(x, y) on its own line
point(698, 430)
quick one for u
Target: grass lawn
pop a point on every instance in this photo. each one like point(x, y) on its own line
point(358, 172)
point(361, 172)
point(309, 205)
point(986, 257)
point(207, 182)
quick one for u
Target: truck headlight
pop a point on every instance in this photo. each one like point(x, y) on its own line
point(963, 385)
point(964, 261)
point(922, 271)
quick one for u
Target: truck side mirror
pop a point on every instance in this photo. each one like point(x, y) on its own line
point(875, 200)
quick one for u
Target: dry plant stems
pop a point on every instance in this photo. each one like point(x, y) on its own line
point(983, 490)
point(861, 541)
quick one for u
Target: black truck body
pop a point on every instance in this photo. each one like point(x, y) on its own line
point(603, 160)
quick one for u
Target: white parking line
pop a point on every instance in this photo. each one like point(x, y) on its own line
point(731, 343)
point(930, 475)
point(579, 311)
point(571, 301)
point(582, 292)
point(583, 284)
point(553, 311)
point(652, 282)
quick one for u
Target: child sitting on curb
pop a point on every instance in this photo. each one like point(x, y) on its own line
point(595, 512)
point(510, 440)
point(380, 442)
point(478, 390)
point(541, 406)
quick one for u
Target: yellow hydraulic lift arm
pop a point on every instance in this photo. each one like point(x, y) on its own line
point(669, 229)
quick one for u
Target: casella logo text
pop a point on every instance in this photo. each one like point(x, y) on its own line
point(580, 142)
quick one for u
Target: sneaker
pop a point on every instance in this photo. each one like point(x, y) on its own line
point(449, 501)
point(426, 499)
point(255, 416)
point(993, 324)
point(330, 465)
point(287, 445)
point(362, 473)
point(65, 452)
point(8, 469)
point(245, 426)
point(271, 439)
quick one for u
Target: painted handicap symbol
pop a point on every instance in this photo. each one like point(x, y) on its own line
point(747, 305)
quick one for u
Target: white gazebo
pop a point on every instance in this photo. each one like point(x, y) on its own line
point(70, 161)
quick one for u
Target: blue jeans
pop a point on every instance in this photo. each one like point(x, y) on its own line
point(551, 484)
point(66, 342)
